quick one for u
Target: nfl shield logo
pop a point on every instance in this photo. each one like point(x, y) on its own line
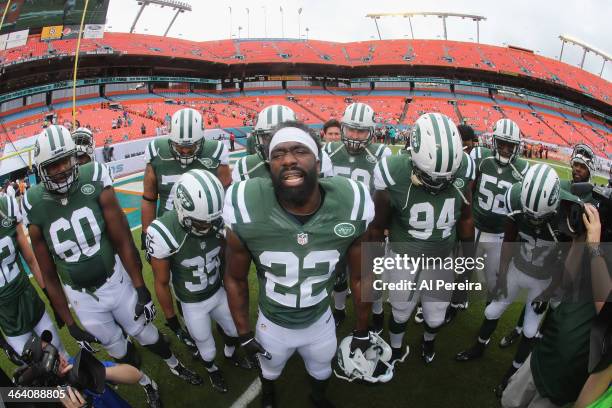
point(203, 245)
point(302, 238)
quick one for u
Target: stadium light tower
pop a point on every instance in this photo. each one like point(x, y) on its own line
point(443, 16)
point(178, 6)
point(586, 48)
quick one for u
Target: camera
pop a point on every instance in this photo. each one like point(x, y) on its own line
point(42, 367)
point(571, 212)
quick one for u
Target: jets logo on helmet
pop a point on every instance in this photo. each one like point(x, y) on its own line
point(267, 120)
point(55, 144)
point(84, 141)
point(357, 127)
point(540, 193)
point(506, 131)
point(438, 154)
point(186, 134)
point(198, 202)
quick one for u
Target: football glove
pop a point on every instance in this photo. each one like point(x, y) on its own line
point(144, 305)
point(83, 338)
point(58, 320)
point(183, 336)
point(360, 341)
point(252, 347)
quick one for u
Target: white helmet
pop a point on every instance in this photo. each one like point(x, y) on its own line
point(186, 130)
point(357, 116)
point(198, 201)
point(506, 130)
point(54, 144)
point(436, 151)
point(583, 153)
point(84, 141)
point(540, 193)
point(373, 366)
point(267, 120)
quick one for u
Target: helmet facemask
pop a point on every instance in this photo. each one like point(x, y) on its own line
point(60, 182)
point(185, 159)
point(355, 146)
point(202, 228)
point(262, 141)
point(498, 148)
point(429, 183)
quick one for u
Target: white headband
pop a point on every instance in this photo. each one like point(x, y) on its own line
point(293, 134)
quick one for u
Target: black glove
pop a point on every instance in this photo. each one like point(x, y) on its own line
point(361, 341)
point(58, 320)
point(182, 334)
point(252, 347)
point(144, 305)
point(10, 352)
point(539, 306)
point(83, 338)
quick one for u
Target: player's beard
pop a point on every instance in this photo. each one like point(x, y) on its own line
point(296, 196)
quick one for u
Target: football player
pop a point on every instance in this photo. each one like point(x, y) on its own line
point(80, 235)
point(496, 171)
point(21, 309)
point(582, 169)
point(186, 248)
point(167, 159)
point(295, 227)
point(256, 165)
point(355, 157)
point(532, 221)
point(85, 145)
point(424, 200)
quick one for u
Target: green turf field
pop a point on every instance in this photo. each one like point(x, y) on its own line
point(445, 383)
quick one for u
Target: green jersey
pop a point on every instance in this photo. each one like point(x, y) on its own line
point(20, 306)
point(168, 170)
point(253, 166)
point(567, 186)
point(492, 182)
point(360, 166)
point(75, 229)
point(538, 243)
point(422, 223)
point(295, 262)
point(194, 261)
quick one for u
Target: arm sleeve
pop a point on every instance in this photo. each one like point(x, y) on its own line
point(16, 210)
point(382, 177)
point(157, 245)
point(150, 152)
point(104, 175)
point(326, 165)
point(236, 171)
point(224, 155)
point(229, 216)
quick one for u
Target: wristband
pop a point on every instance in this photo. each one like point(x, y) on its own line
point(151, 200)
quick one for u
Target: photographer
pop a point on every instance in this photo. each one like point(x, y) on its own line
point(84, 374)
point(557, 369)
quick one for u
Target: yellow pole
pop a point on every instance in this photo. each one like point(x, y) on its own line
point(76, 64)
point(8, 4)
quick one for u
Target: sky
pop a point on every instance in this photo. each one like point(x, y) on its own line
point(533, 24)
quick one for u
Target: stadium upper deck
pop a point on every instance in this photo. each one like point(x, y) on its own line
point(509, 62)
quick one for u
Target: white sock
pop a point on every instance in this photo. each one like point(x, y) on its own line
point(172, 361)
point(212, 368)
point(340, 299)
point(229, 350)
point(144, 380)
point(396, 339)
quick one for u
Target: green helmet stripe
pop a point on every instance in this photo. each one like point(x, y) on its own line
point(541, 185)
point(505, 127)
point(354, 112)
point(434, 122)
point(50, 137)
point(205, 186)
point(362, 112)
point(269, 117)
point(190, 125)
point(279, 115)
point(218, 193)
point(449, 139)
point(180, 124)
point(537, 170)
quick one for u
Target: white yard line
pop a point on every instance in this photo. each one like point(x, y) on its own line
point(248, 396)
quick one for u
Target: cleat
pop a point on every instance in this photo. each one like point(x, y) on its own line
point(186, 374)
point(509, 338)
point(339, 316)
point(321, 403)
point(152, 395)
point(268, 401)
point(474, 352)
point(427, 351)
point(398, 355)
point(241, 362)
point(378, 322)
point(185, 338)
point(217, 381)
point(418, 316)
